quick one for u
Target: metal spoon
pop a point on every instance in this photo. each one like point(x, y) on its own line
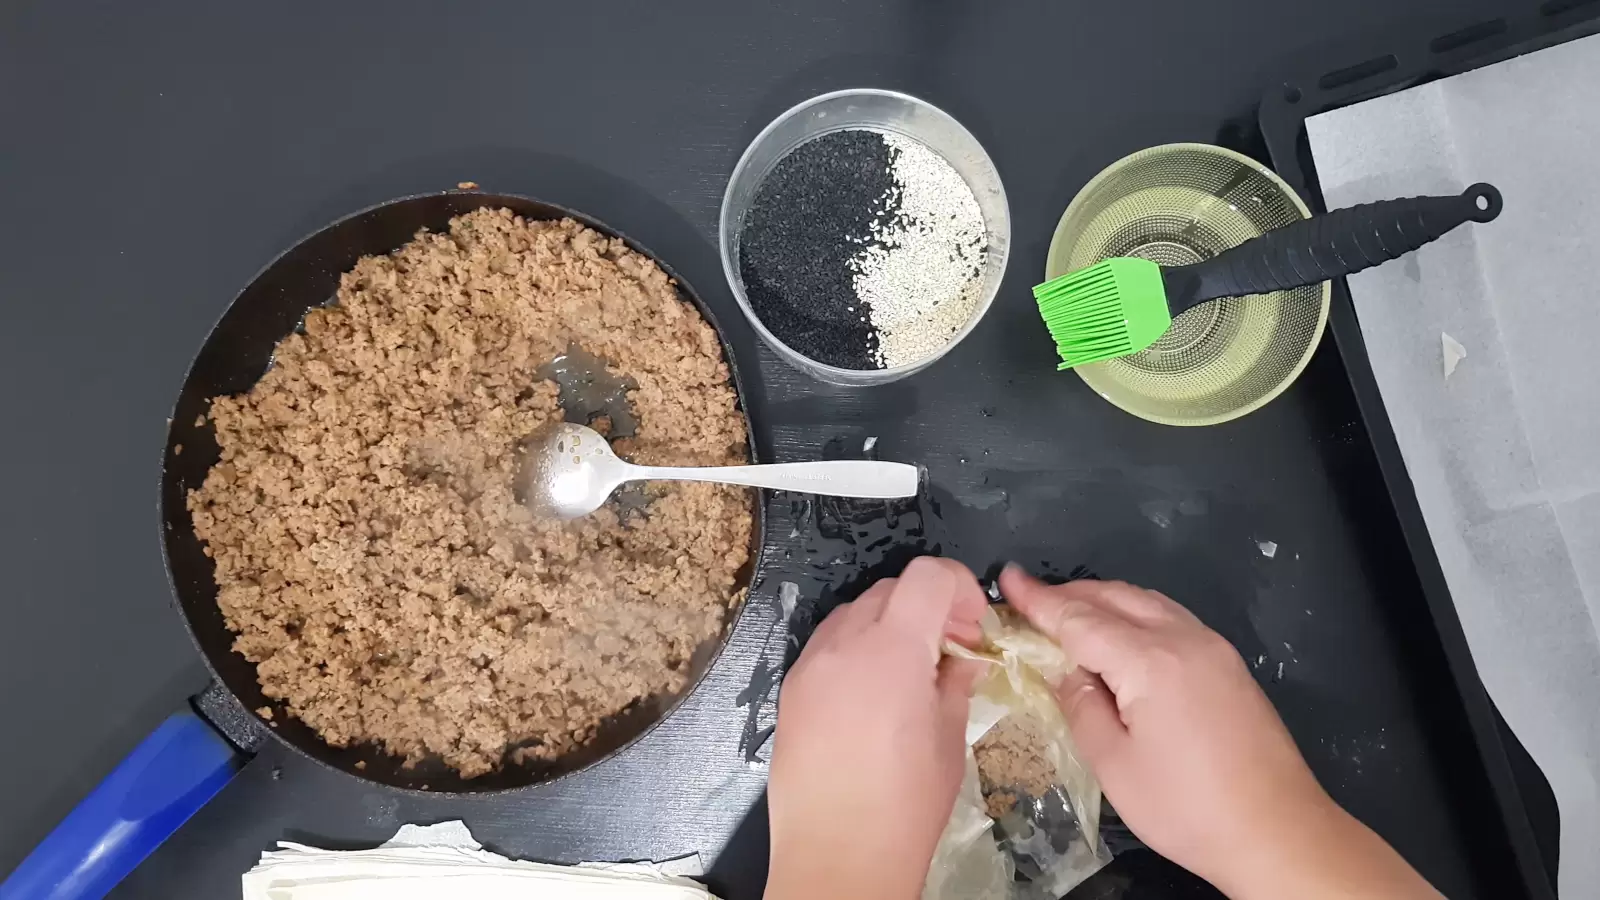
point(568, 471)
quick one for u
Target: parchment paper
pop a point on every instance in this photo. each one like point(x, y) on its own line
point(425, 862)
point(1505, 452)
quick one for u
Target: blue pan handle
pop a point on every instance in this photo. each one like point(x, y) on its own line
point(153, 791)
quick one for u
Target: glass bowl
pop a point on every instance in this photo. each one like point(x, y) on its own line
point(880, 111)
point(1174, 205)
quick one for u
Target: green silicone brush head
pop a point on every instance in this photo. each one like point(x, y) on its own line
point(1112, 308)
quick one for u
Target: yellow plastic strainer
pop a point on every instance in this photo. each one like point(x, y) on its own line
point(1178, 204)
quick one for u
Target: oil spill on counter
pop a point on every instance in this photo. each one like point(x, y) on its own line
point(842, 546)
point(825, 551)
point(1144, 524)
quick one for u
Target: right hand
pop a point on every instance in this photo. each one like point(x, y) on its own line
point(1191, 752)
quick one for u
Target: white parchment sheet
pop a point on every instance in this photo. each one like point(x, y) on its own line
point(1505, 451)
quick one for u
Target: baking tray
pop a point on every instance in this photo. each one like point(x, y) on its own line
point(1361, 70)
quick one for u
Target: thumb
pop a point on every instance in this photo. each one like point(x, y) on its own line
point(1099, 640)
point(1091, 713)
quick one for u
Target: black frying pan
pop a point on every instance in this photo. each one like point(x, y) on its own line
point(188, 759)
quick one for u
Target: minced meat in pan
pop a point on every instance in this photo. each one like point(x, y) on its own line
point(369, 553)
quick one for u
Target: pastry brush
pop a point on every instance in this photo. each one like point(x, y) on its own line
point(1121, 306)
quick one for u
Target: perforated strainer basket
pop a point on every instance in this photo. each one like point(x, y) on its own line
point(1178, 204)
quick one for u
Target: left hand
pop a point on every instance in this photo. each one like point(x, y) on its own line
point(870, 746)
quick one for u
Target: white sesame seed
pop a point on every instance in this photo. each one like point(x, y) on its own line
point(919, 279)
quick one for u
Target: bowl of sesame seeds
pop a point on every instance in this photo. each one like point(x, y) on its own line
point(864, 234)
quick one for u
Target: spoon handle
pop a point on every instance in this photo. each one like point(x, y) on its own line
point(864, 478)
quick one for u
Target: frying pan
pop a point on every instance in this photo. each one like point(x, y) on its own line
point(195, 752)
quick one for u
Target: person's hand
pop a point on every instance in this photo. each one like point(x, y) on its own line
point(1185, 744)
point(870, 746)
point(1193, 755)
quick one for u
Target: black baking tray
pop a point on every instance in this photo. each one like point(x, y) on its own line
point(1363, 69)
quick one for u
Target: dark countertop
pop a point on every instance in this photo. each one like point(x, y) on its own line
point(155, 156)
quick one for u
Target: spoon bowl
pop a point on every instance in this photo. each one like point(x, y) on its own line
point(569, 471)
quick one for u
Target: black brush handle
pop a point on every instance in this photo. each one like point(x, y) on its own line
point(1320, 248)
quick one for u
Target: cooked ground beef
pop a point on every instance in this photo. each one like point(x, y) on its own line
point(369, 553)
point(1012, 764)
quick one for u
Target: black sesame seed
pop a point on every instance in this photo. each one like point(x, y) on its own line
point(809, 217)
